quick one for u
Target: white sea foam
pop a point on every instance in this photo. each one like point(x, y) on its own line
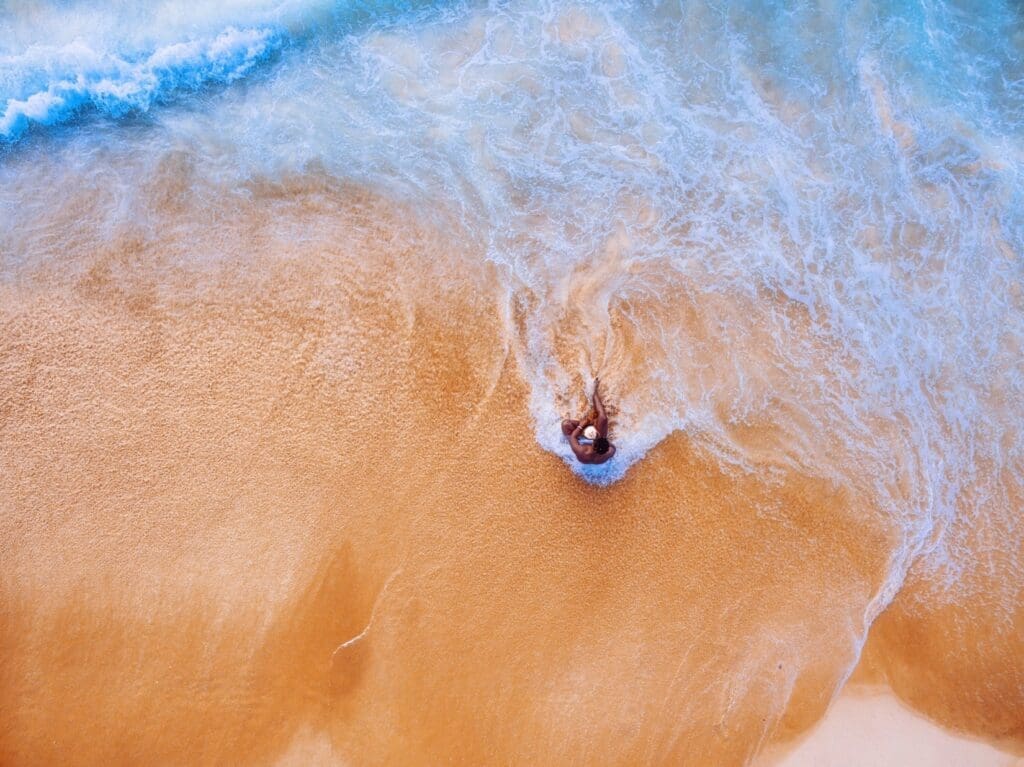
point(60, 60)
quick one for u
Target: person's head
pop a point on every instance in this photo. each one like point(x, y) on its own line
point(601, 445)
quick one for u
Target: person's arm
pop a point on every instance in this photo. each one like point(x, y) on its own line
point(602, 419)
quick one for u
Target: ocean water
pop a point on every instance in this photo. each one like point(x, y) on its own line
point(790, 233)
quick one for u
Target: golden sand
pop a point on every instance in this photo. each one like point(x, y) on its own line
point(281, 501)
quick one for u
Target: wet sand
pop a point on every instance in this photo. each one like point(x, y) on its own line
point(274, 496)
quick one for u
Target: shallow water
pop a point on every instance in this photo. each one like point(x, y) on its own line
point(787, 237)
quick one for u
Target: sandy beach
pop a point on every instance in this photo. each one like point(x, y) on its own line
point(222, 488)
point(295, 296)
point(264, 467)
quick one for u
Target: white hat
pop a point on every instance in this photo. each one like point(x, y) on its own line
point(590, 432)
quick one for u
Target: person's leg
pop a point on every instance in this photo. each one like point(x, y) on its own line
point(569, 426)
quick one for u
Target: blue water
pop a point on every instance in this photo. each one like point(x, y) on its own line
point(64, 61)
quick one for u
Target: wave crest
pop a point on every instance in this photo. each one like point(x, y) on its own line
point(58, 82)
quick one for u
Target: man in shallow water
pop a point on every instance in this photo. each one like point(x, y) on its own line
point(600, 449)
